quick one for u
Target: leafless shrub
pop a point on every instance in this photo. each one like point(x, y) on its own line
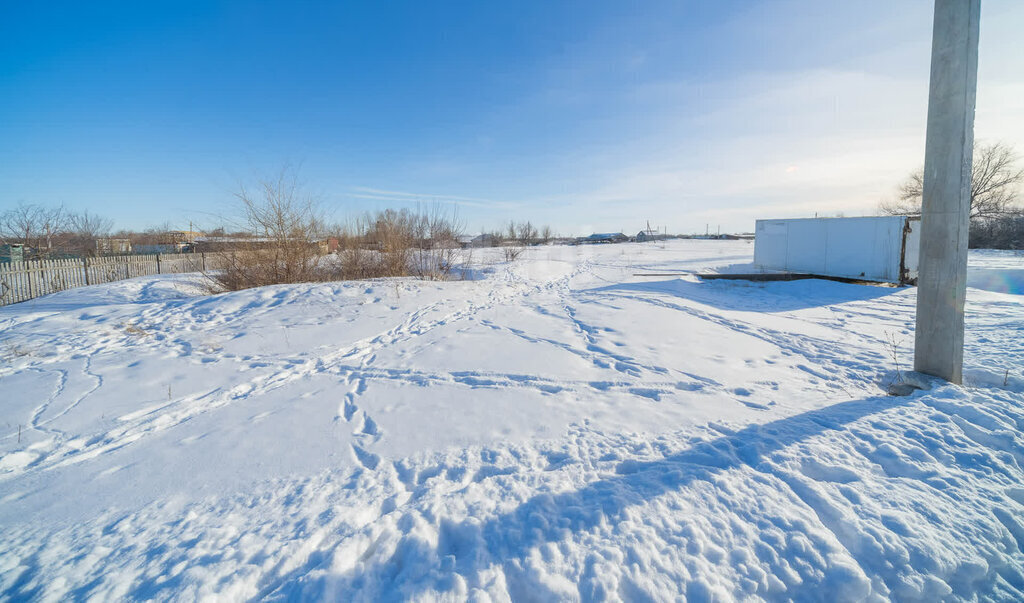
point(12, 351)
point(395, 243)
point(438, 249)
point(132, 329)
point(893, 347)
point(285, 224)
point(519, 235)
point(512, 252)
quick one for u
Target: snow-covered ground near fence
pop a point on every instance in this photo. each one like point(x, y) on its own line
point(581, 424)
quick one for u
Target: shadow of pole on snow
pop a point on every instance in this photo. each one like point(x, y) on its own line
point(547, 518)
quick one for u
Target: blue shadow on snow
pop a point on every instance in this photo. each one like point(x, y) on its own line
point(545, 518)
point(775, 296)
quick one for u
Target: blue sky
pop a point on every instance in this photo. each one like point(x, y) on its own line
point(583, 115)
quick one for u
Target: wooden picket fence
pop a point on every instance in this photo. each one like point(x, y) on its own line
point(22, 281)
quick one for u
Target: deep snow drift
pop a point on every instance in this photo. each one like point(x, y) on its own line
point(559, 428)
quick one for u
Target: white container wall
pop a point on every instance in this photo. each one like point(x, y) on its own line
point(873, 249)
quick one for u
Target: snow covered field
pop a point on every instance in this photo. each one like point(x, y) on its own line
point(558, 429)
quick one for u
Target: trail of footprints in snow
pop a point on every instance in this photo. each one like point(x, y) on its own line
point(364, 428)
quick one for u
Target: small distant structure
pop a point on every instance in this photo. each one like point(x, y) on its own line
point(182, 236)
point(169, 241)
point(328, 245)
point(646, 235)
point(113, 246)
point(605, 237)
point(480, 240)
point(13, 252)
point(650, 234)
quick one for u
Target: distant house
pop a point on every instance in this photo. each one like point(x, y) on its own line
point(182, 236)
point(605, 237)
point(328, 245)
point(645, 236)
point(112, 246)
point(480, 240)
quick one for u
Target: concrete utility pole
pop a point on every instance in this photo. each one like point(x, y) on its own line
point(942, 272)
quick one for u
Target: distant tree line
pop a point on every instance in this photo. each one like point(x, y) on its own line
point(52, 231)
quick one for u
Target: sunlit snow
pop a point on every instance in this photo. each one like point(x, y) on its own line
point(557, 428)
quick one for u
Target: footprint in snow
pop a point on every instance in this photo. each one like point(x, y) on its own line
point(1016, 494)
point(364, 425)
point(348, 408)
point(370, 427)
point(365, 458)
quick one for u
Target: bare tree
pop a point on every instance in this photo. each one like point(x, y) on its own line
point(86, 228)
point(286, 223)
point(90, 225)
point(53, 222)
point(995, 179)
point(36, 226)
point(511, 232)
point(21, 224)
point(526, 233)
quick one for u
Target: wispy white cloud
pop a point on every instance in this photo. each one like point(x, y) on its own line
point(404, 197)
point(832, 128)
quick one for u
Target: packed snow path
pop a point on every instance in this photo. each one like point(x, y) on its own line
point(557, 429)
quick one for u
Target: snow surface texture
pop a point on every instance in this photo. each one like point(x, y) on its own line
point(558, 429)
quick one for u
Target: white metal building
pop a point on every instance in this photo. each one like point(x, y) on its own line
point(880, 248)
